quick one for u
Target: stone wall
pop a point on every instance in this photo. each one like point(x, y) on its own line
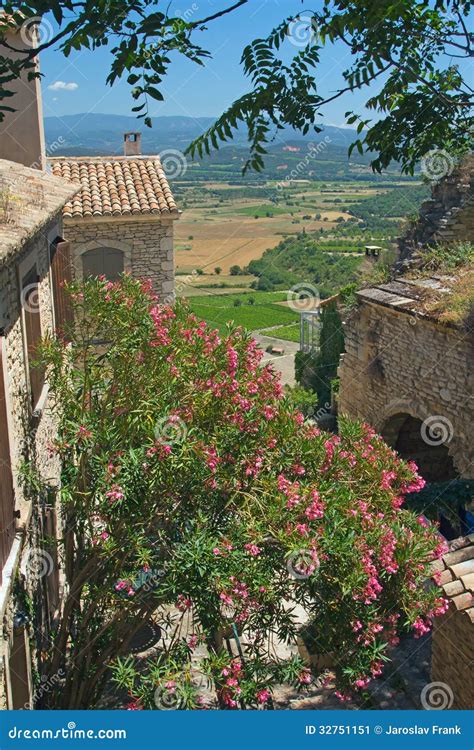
point(397, 364)
point(30, 438)
point(147, 246)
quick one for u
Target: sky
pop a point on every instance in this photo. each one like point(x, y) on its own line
point(77, 84)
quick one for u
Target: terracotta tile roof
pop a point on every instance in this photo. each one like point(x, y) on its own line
point(30, 199)
point(117, 186)
point(456, 575)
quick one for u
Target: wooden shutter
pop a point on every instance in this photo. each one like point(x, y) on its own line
point(103, 261)
point(31, 311)
point(61, 271)
point(7, 495)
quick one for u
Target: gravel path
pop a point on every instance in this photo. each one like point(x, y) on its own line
point(283, 363)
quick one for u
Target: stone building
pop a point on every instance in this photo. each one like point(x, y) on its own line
point(453, 634)
point(33, 262)
point(408, 368)
point(21, 131)
point(122, 219)
point(411, 377)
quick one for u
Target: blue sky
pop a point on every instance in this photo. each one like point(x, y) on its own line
point(79, 81)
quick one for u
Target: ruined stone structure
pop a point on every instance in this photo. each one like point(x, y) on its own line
point(448, 215)
point(406, 371)
point(411, 378)
point(122, 219)
point(453, 634)
point(31, 303)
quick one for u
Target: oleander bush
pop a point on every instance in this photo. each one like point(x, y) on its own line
point(193, 492)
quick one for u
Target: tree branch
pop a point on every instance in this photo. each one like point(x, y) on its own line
point(219, 14)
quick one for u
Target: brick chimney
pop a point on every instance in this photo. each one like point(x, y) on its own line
point(132, 144)
point(22, 131)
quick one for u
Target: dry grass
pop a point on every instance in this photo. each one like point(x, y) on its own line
point(458, 307)
point(454, 265)
point(222, 238)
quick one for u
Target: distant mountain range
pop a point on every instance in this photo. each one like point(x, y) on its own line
point(98, 134)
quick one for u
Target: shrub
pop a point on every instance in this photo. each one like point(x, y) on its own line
point(192, 490)
point(302, 399)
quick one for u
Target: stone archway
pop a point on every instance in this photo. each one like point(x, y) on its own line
point(406, 435)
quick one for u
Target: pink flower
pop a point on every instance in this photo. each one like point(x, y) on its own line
point(83, 432)
point(304, 677)
point(302, 528)
point(316, 509)
point(252, 549)
point(387, 479)
point(134, 705)
point(183, 603)
point(116, 493)
point(420, 627)
point(263, 696)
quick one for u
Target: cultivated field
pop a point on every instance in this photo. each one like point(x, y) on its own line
point(215, 230)
point(252, 310)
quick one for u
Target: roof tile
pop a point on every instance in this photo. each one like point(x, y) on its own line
point(457, 578)
point(116, 186)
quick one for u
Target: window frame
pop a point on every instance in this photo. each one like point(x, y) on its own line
point(36, 380)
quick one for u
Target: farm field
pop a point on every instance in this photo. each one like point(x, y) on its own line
point(194, 285)
point(252, 310)
point(287, 333)
point(223, 225)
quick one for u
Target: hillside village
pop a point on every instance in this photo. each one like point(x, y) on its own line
point(406, 372)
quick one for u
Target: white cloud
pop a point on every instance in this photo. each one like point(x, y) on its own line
point(62, 86)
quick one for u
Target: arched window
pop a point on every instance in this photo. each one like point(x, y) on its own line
point(103, 261)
